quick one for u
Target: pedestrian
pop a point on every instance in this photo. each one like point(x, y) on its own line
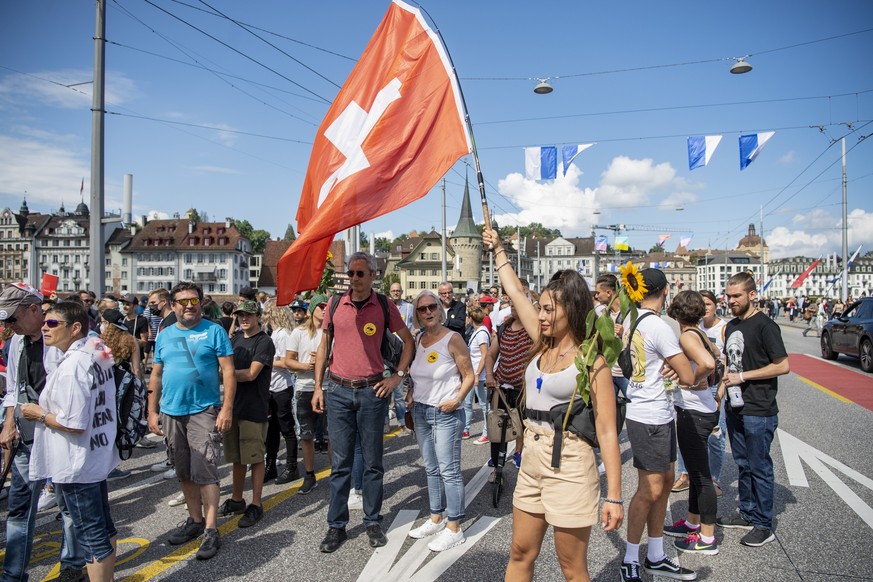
point(28, 363)
point(356, 393)
point(442, 375)
point(566, 498)
point(658, 360)
point(455, 311)
point(756, 358)
point(116, 336)
point(74, 441)
point(193, 359)
point(477, 347)
point(244, 443)
point(398, 397)
point(137, 325)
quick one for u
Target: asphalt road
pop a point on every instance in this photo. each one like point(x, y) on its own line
point(824, 494)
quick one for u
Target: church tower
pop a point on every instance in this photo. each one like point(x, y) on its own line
point(466, 240)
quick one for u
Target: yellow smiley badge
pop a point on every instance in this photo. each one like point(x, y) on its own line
point(432, 358)
point(370, 328)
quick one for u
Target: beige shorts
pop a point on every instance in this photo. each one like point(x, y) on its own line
point(568, 497)
point(244, 442)
point(194, 445)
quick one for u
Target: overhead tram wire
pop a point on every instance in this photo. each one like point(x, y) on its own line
point(212, 127)
point(237, 51)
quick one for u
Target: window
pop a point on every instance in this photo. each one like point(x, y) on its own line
point(434, 256)
point(123, 261)
point(124, 274)
point(222, 288)
point(108, 261)
point(200, 259)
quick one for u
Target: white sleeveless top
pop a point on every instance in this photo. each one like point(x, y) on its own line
point(434, 373)
point(696, 400)
point(554, 388)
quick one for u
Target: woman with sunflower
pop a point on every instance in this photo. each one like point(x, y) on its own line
point(567, 499)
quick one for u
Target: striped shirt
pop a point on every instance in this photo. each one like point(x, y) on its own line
point(515, 348)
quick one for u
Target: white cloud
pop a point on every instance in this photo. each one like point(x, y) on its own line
point(677, 200)
point(388, 234)
point(788, 243)
point(819, 233)
point(628, 182)
point(47, 172)
point(39, 88)
point(225, 137)
point(157, 215)
point(788, 158)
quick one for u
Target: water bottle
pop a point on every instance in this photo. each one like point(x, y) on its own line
point(735, 395)
point(670, 389)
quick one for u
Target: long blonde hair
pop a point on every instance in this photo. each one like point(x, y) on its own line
point(277, 316)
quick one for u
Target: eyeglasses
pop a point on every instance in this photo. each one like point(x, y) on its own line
point(426, 308)
point(321, 306)
point(194, 301)
point(359, 274)
point(53, 323)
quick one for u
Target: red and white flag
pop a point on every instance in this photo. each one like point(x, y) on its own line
point(396, 126)
point(802, 277)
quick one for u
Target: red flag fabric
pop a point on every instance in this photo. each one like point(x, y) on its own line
point(396, 126)
point(800, 279)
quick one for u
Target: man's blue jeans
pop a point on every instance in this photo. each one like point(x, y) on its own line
point(751, 437)
point(355, 412)
point(439, 437)
point(399, 395)
point(21, 523)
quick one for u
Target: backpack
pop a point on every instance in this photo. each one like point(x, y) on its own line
point(715, 378)
point(392, 346)
point(130, 410)
point(624, 356)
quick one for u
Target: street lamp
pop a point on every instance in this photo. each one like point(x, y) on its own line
point(741, 66)
point(543, 87)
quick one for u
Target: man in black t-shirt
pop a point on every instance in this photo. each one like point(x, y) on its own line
point(756, 356)
point(244, 443)
point(137, 325)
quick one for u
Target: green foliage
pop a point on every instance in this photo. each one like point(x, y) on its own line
point(532, 230)
point(258, 237)
point(388, 280)
point(289, 233)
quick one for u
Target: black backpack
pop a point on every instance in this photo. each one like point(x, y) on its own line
point(130, 410)
point(624, 356)
point(392, 346)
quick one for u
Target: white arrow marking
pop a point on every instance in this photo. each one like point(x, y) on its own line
point(794, 450)
point(348, 132)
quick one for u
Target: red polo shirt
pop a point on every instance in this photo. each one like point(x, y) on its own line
point(358, 336)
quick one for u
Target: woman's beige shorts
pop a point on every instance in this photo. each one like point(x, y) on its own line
point(569, 496)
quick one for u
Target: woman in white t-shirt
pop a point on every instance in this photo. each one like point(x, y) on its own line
point(281, 395)
point(566, 498)
point(696, 417)
point(442, 375)
point(480, 341)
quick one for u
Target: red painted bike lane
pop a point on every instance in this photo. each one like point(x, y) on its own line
point(850, 384)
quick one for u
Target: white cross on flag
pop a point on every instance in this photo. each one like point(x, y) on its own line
point(396, 126)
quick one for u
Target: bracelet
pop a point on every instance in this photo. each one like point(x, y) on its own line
point(616, 501)
point(500, 250)
point(42, 418)
point(501, 266)
point(741, 377)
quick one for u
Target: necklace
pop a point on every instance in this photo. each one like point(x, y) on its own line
point(552, 367)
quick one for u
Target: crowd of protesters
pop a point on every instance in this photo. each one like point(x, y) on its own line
point(244, 376)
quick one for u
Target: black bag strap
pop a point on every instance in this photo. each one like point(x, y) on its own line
point(706, 342)
point(498, 393)
point(630, 336)
point(383, 301)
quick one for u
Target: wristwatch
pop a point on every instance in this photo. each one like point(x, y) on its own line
point(42, 418)
point(400, 373)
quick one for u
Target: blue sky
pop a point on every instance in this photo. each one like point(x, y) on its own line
point(637, 174)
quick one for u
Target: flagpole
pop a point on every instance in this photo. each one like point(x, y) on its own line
point(844, 295)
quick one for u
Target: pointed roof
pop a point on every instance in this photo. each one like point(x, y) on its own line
point(466, 225)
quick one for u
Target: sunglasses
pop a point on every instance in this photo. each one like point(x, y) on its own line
point(321, 306)
point(9, 320)
point(359, 274)
point(426, 308)
point(53, 323)
point(194, 301)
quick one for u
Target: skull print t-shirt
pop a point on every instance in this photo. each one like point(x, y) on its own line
point(751, 344)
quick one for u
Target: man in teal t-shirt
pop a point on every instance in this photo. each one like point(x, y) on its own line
point(193, 358)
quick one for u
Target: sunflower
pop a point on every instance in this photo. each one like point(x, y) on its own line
point(329, 255)
point(632, 280)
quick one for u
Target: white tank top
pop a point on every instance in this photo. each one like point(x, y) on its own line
point(434, 373)
point(697, 400)
point(553, 389)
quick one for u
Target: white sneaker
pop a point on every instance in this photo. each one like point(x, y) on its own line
point(47, 500)
point(145, 443)
point(162, 466)
point(446, 540)
point(170, 473)
point(177, 500)
point(428, 528)
point(356, 500)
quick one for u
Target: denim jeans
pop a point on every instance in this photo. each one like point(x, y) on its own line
point(355, 413)
point(399, 396)
point(358, 467)
point(481, 394)
point(88, 504)
point(751, 437)
point(439, 438)
point(21, 523)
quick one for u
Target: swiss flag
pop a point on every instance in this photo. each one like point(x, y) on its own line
point(394, 129)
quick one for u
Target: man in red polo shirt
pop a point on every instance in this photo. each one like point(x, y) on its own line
point(356, 393)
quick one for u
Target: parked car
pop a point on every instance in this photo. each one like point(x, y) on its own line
point(851, 333)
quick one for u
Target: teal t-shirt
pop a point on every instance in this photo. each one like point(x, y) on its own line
point(191, 379)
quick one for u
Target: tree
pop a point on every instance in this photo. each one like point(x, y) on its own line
point(656, 248)
point(383, 244)
point(258, 237)
point(289, 233)
point(389, 280)
point(532, 230)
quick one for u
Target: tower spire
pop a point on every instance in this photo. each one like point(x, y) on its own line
point(466, 225)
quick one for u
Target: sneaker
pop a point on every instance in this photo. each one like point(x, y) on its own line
point(465, 435)
point(667, 568)
point(681, 484)
point(482, 440)
point(333, 540)
point(117, 474)
point(290, 473)
point(146, 444)
point(186, 532)
point(376, 536)
point(630, 572)
point(177, 500)
point(446, 540)
point(210, 544)
point(428, 528)
point(693, 544)
point(231, 507)
point(162, 466)
point(170, 473)
point(252, 515)
point(356, 500)
point(71, 575)
point(736, 521)
point(47, 499)
point(490, 462)
point(516, 458)
point(680, 529)
point(757, 537)
point(309, 483)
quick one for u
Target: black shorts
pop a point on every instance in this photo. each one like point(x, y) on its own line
point(306, 417)
point(653, 445)
point(149, 347)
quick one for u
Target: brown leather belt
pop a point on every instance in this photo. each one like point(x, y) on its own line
point(363, 382)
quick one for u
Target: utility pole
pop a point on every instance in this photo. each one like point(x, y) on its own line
point(761, 257)
point(844, 295)
point(96, 277)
